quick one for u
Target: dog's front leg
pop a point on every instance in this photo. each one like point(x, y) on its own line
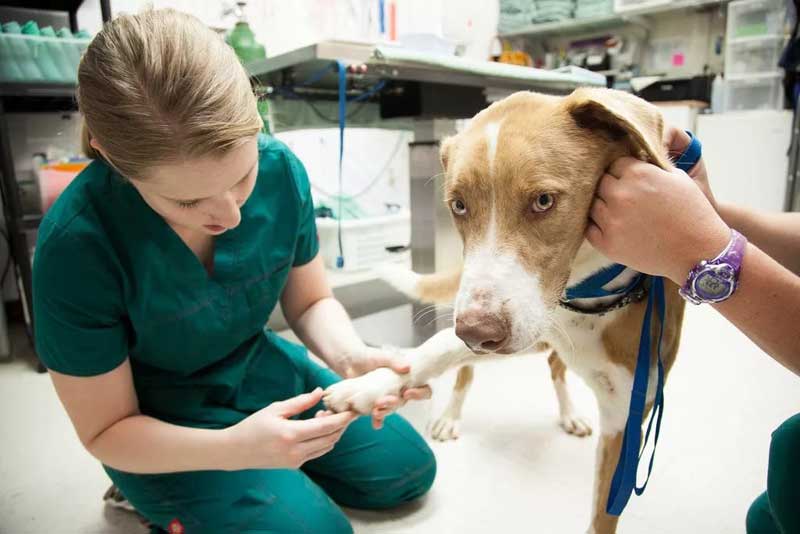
point(439, 353)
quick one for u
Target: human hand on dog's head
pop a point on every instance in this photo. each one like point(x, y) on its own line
point(655, 221)
point(676, 141)
point(372, 358)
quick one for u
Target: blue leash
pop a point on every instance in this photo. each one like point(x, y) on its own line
point(623, 484)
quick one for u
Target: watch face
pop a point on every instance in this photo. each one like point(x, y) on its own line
point(711, 285)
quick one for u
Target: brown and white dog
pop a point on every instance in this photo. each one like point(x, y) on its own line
point(520, 181)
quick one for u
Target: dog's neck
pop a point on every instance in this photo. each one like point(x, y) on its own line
point(588, 261)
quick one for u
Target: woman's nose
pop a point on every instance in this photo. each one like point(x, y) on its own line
point(226, 211)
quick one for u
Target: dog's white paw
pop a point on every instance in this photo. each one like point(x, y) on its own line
point(575, 425)
point(445, 428)
point(359, 394)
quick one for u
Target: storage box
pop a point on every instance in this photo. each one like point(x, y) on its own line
point(753, 55)
point(753, 18)
point(754, 92)
point(54, 178)
point(367, 242)
point(33, 58)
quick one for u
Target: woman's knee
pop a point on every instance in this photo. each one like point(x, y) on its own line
point(413, 477)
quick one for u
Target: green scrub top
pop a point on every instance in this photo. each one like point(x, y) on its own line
point(112, 280)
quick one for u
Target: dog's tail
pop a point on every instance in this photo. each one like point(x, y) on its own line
point(436, 288)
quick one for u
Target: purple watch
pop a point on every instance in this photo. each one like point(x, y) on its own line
point(716, 280)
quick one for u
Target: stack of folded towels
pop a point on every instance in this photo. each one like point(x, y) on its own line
point(593, 8)
point(517, 14)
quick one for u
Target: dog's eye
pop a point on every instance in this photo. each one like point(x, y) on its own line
point(458, 207)
point(543, 202)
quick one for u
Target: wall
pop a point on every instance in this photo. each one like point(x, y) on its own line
point(284, 26)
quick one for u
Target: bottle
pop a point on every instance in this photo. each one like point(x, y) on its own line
point(717, 97)
point(22, 53)
point(242, 39)
point(40, 53)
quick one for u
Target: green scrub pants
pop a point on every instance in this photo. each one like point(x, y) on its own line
point(777, 510)
point(367, 469)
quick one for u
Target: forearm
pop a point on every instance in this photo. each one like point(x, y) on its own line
point(327, 331)
point(142, 444)
point(766, 307)
point(777, 234)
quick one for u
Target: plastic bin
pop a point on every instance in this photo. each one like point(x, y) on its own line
point(754, 92)
point(34, 58)
point(752, 18)
point(366, 242)
point(751, 56)
point(54, 178)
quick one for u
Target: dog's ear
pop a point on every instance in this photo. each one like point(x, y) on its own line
point(621, 116)
point(445, 147)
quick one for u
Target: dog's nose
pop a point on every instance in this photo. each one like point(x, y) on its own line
point(482, 332)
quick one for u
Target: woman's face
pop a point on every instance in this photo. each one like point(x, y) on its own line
point(203, 194)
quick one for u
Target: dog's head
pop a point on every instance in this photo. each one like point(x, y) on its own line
point(519, 183)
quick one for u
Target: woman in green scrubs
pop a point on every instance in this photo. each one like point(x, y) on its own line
point(154, 274)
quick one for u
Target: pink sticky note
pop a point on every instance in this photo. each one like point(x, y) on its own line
point(678, 59)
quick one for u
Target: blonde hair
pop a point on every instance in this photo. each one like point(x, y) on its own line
point(160, 86)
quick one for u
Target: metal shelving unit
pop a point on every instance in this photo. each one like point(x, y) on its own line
point(592, 24)
point(30, 98)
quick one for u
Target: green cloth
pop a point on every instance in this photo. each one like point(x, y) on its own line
point(777, 510)
point(112, 280)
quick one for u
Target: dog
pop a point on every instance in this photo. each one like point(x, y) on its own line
point(519, 181)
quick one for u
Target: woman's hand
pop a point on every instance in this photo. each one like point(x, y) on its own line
point(372, 358)
point(269, 439)
point(655, 221)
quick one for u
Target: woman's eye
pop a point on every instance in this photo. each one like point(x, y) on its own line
point(543, 202)
point(187, 203)
point(458, 207)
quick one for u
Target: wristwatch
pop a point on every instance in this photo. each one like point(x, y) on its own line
point(712, 281)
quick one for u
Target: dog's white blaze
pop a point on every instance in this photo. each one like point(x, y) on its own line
point(492, 133)
point(494, 279)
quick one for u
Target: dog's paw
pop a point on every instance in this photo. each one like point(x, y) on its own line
point(445, 428)
point(575, 425)
point(359, 394)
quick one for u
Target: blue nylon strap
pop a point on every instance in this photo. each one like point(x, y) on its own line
point(623, 483)
point(342, 73)
point(691, 155)
point(593, 287)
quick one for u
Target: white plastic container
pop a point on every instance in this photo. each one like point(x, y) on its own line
point(367, 242)
point(753, 55)
point(753, 18)
point(754, 92)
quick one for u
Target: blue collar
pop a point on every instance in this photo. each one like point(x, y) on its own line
point(623, 484)
point(604, 284)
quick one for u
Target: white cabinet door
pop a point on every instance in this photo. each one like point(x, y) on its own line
point(746, 156)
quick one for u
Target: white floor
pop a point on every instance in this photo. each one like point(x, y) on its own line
point(513, 470)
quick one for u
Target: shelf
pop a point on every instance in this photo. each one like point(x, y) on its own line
point(568, 25)
point(37, 90)
point(30, 222)
point(575, 26)
point(48, 5)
